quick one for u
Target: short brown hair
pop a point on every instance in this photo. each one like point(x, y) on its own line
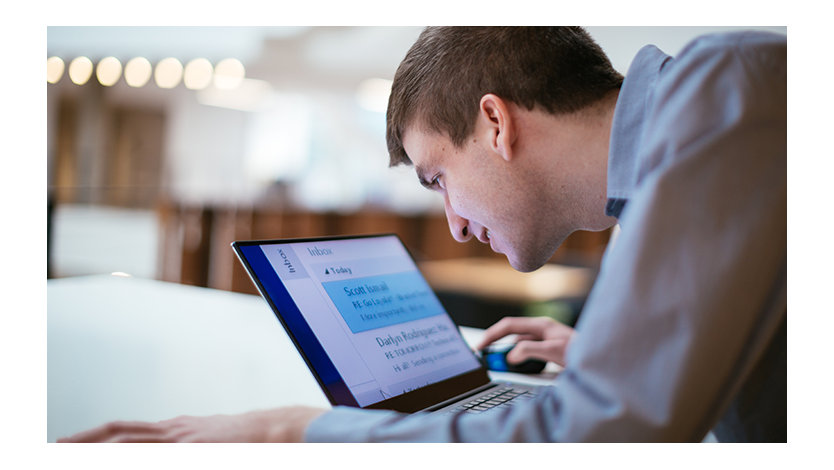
point(443, 76)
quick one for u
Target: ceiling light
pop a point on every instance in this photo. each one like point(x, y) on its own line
point(168, 73)
point(250, 95)
point(80, 70)
point(373, 94)
point(228, 74)
point(54, 69)
point(108, 71)
point(198, 74)
point(138, 72)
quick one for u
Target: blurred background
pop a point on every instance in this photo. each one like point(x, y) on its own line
point(165, 144)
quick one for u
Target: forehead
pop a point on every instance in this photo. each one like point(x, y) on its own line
point(426, 149)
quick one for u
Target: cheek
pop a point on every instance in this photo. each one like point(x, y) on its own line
point(462, 199)
point(488, 197)
point(509, 208)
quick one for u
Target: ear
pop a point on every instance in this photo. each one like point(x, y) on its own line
point(499, 123)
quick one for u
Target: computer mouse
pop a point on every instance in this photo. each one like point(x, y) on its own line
point(494, 357)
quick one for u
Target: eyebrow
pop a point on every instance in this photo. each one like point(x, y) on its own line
point(421, 175)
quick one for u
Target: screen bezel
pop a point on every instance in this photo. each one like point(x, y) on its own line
point(408, 402)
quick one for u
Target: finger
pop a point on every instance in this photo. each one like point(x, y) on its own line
point(154, 437)
point(526, 337)
point(107, 432)
point(550, 350)
point(180, 429)
point(529, 327)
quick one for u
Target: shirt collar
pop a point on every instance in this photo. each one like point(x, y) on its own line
point(630, 113)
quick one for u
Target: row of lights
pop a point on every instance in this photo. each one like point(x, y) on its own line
point(196, 75)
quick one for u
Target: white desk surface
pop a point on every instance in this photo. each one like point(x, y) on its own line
point(135, 349)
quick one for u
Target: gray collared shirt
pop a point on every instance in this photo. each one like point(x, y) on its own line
point(684, 328)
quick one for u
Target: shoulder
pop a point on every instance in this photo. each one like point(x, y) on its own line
point(751, 46)
point(721, 66)
point(738, 41)
point(728, 60)
point(719, 89)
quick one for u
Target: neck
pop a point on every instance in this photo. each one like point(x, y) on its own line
point(577, 145)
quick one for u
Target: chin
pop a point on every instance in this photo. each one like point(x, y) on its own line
point(524, 265)
point(526, 261)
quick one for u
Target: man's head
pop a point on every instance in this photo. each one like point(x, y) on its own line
point(448, 69)
point(476, 110)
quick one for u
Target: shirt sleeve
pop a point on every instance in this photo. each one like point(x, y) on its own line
point(531, 421)
point(690, 293)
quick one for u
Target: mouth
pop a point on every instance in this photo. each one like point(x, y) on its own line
point(487, 238)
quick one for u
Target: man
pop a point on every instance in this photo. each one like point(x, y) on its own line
point(529, 134)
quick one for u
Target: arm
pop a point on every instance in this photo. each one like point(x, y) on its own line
point(278, 425)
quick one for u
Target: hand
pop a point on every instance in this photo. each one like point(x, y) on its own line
point(538, 338)
point(278, 425)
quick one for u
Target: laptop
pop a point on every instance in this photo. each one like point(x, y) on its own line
point(369, 326)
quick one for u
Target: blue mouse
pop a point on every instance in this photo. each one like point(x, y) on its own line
point(494, 357)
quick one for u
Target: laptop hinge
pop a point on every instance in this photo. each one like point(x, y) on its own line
point(464, 396)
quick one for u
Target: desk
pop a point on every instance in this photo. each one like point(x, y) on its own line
point(128, 348)
point(480, 291)
point(135, 349)
point(496, 280)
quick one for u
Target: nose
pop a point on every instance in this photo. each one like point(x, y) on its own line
point(457, 225)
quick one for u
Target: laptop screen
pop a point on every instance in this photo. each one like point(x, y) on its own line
point(362, 315)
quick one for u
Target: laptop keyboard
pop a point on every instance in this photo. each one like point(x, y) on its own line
point(499, 397)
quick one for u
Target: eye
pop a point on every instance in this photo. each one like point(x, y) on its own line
point(435, 182)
